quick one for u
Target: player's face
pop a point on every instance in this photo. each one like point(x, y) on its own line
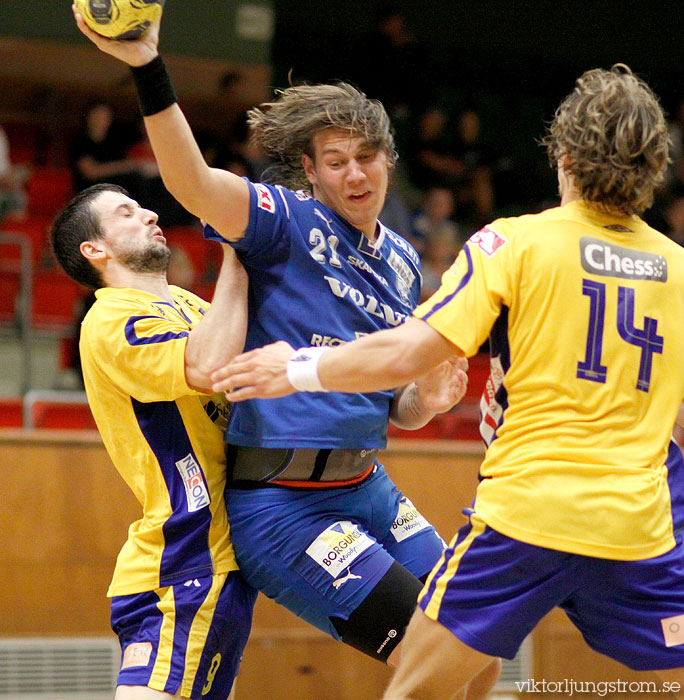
point(349, 176)
point(131, 233)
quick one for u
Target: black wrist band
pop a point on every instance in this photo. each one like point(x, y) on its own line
point(153, 83)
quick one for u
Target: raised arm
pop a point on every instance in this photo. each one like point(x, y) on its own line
point(220, 335)
point(216, 196)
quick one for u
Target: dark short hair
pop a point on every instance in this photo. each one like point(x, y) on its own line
point(75, 224)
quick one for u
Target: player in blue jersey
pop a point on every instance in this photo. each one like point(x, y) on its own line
point(180, 608)
point(316, 523)
point(580, 503)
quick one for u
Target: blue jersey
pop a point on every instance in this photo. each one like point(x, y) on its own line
point(317, 280)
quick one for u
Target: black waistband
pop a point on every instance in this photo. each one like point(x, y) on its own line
point(259, 465)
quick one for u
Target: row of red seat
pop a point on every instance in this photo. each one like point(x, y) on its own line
point(69, 410)
point(55, 296)
point(47, 410)
point(56, 415)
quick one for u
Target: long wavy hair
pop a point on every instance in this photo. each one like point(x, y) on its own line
point(611, 134)
point(285, 128)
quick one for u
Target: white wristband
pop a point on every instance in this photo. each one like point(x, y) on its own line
point(302, 369)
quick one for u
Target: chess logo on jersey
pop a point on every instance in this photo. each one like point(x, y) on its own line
point(408, 521)
point(264, 198)
point(338, 546)
point(487, 240)
point(608, 260)
point(195, 488)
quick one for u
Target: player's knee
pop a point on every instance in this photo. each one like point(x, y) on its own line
point(377, 626)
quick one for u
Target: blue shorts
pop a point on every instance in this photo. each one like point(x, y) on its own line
point(320, 552)
point(188, 637)
point(491, 591)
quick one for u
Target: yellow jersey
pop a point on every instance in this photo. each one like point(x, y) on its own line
point(164, 438)
point(585, 314)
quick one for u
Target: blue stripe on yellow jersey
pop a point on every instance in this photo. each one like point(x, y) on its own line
point(159, 435)
point(584, 312)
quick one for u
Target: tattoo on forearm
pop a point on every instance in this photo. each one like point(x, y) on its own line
point(410, 404)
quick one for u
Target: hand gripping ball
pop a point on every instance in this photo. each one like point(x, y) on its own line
point(120, 19)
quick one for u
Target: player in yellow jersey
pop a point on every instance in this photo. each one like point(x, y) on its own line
point(581, 502)
point(180, 608)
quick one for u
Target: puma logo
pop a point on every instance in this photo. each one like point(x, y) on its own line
point(338, 582)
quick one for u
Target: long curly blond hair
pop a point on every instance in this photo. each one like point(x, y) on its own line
point(285, 128)
point(611, 133)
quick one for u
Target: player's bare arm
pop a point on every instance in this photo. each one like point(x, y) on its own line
point(382, 360)
point(218, 197)
point(220, 335)
point(435, 392)
point(680, 416)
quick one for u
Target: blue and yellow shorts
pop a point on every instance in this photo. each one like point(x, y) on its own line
point(490, 591)
point(189, 636)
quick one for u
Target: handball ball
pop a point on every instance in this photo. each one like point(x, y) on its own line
point(119, 19)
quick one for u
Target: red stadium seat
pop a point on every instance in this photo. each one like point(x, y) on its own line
point(34, 228)
point(55, 298)
point(48, 189)
point(11, 412)
point(9, 289)
point(66, 348)
point(25, 140)
point(204, 290)
point(190, 239)
point(58, 410)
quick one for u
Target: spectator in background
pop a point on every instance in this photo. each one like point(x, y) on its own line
point(100, 152)
point(438, 256)
point(390, 65)
point(461, 162)
point(431, 158)
point(674, 215)
point(396, 214)
point(110, 151)
point(434, 219)
point(12, 182)
point(676, 131)
point(152, 192)
point(474, 188)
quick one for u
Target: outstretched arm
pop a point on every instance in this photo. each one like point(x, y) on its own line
point(220, 335)
point(382, 360)
point(216, 196)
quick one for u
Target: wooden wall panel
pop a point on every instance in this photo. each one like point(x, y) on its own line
point(65, 515)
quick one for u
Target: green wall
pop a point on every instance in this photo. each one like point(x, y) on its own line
point(236, 30)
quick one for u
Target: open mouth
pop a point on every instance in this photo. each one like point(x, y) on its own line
point(360, 197)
